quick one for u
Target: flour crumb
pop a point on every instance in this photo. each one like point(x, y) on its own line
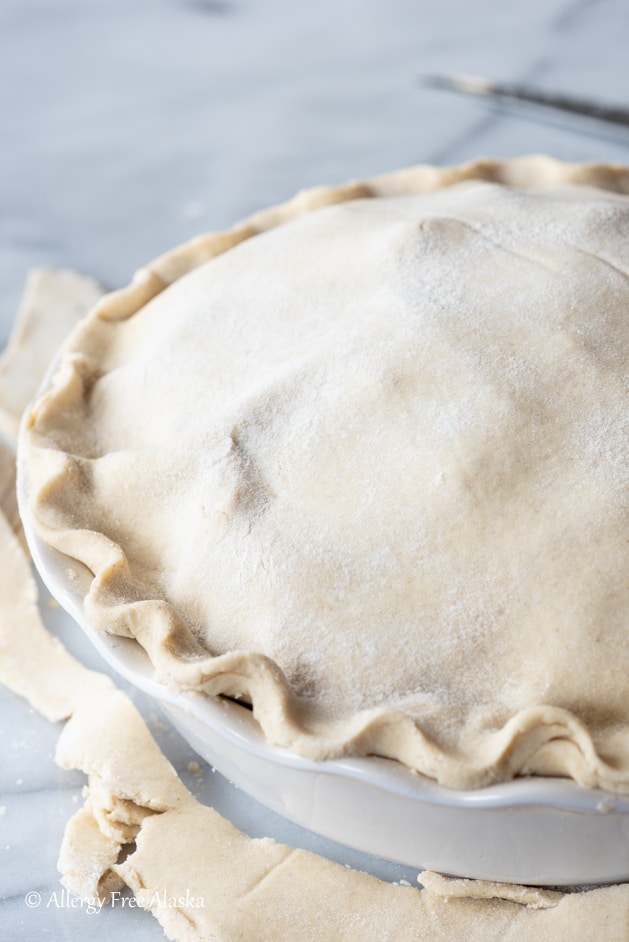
point(606, 804)
point(156, 723)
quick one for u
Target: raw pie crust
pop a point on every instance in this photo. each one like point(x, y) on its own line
point(362, 461)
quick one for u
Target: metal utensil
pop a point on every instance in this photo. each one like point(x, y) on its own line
point(472, 85)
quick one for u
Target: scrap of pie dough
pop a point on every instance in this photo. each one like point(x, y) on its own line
point(8, 498)
point(87, 856)
point(205, 880)
point(108, 738)
point(251, 891)
point(53, 301)
point(461, 888)
point(364, 461)
point(34, 664)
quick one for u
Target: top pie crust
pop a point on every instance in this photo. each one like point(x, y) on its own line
point(362, 461)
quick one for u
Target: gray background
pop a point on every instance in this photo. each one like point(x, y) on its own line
point(127, 127)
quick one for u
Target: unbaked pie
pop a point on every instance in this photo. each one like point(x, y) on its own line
point(362, 462)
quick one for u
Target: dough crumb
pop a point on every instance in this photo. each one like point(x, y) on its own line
point(461, 888)
point(606, 805)
point(157, 724)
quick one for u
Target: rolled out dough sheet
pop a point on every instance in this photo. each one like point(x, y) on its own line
point(8, 499)
point(33, 663)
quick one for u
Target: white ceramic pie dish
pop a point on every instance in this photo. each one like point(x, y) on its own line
point(547, 832)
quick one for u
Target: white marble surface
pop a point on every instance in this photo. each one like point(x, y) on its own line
point(127, 127)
